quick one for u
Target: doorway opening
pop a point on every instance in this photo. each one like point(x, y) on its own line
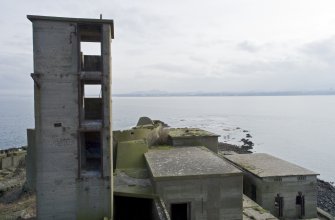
point(131, 208)
point(180, 211)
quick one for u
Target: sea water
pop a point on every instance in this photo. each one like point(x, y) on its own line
point(300, 129)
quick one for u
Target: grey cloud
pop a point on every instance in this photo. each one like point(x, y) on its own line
point(322, 50)
point(248, 46)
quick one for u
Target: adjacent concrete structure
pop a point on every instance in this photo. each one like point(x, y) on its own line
point(195, 184)
point(194, 137)
point(285, 189)
point(73, 134)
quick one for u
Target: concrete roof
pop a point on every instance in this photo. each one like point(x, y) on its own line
point(186, 162)
point(265, 165)
point(33, 18)
point(77, 20)
point(189, 132)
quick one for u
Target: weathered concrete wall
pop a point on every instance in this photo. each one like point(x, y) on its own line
point(267, 189)
point(56, 101)
point(209, 142)
point(210, 198)
point(132, 134)
point(130, 154)
point(6, 162)
point(11, 159)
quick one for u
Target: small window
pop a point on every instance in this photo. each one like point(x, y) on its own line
point(91, 158)
point(301, 178)
point(180, 211)
point(253, 192)
point(278, 179)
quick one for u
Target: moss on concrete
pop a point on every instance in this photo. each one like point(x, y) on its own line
point(130, 154)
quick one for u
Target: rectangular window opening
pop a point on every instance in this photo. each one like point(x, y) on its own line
point(253, 192)
point(90, 56)
point(300, 202)
point(91, 152)
point(92, 91)
point(92, 102)
point(279, 205)
point(301, 178)
point(91, 48)
point(180, 211)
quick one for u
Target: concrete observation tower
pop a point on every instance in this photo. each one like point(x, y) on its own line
point(73, 135)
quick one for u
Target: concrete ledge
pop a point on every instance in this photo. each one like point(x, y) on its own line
point(325, 214)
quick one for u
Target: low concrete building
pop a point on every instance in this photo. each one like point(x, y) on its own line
point(193, 137)
point(195, 183)
point(285, 189)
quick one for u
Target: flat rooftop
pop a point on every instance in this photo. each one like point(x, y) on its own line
point(67, 19)
point(187, 162)
point(88, 25)
point(265, 165)
point(190, 132)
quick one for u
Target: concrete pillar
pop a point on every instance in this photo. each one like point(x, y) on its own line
point(31, 161)
point(107, 139)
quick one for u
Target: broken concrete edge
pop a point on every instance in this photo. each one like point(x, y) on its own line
point(190, 132)
point(325, 214)
point(162, 178)
point(135, 195)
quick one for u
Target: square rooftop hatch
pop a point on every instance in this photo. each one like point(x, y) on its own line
point(187, 162)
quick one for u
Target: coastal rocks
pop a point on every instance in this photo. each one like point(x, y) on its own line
point(326, 197)
point(247, 144)
point(234, 148)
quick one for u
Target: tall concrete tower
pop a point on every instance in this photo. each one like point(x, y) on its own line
point(73, 134)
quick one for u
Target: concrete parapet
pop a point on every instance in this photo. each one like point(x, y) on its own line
point(12, 158)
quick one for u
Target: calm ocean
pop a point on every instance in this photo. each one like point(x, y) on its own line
point(300, 129)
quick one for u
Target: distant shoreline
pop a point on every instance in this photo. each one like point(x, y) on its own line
point(229, 94)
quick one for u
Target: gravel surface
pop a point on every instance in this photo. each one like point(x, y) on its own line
point(326, 197)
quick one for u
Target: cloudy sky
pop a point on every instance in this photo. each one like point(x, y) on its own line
point(187, 46)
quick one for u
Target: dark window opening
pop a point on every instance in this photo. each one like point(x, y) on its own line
point(129, 208)
point(278, 179)
point(301, 178)
point(253, 192)
point(92, 102)
point(279, 205)
point(91, 153)
point(180, 211)
point(300, 202)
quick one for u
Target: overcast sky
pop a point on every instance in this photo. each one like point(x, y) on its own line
point(187, 46)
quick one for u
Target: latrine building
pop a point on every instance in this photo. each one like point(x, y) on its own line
point(286, 190)
point(73, 136)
